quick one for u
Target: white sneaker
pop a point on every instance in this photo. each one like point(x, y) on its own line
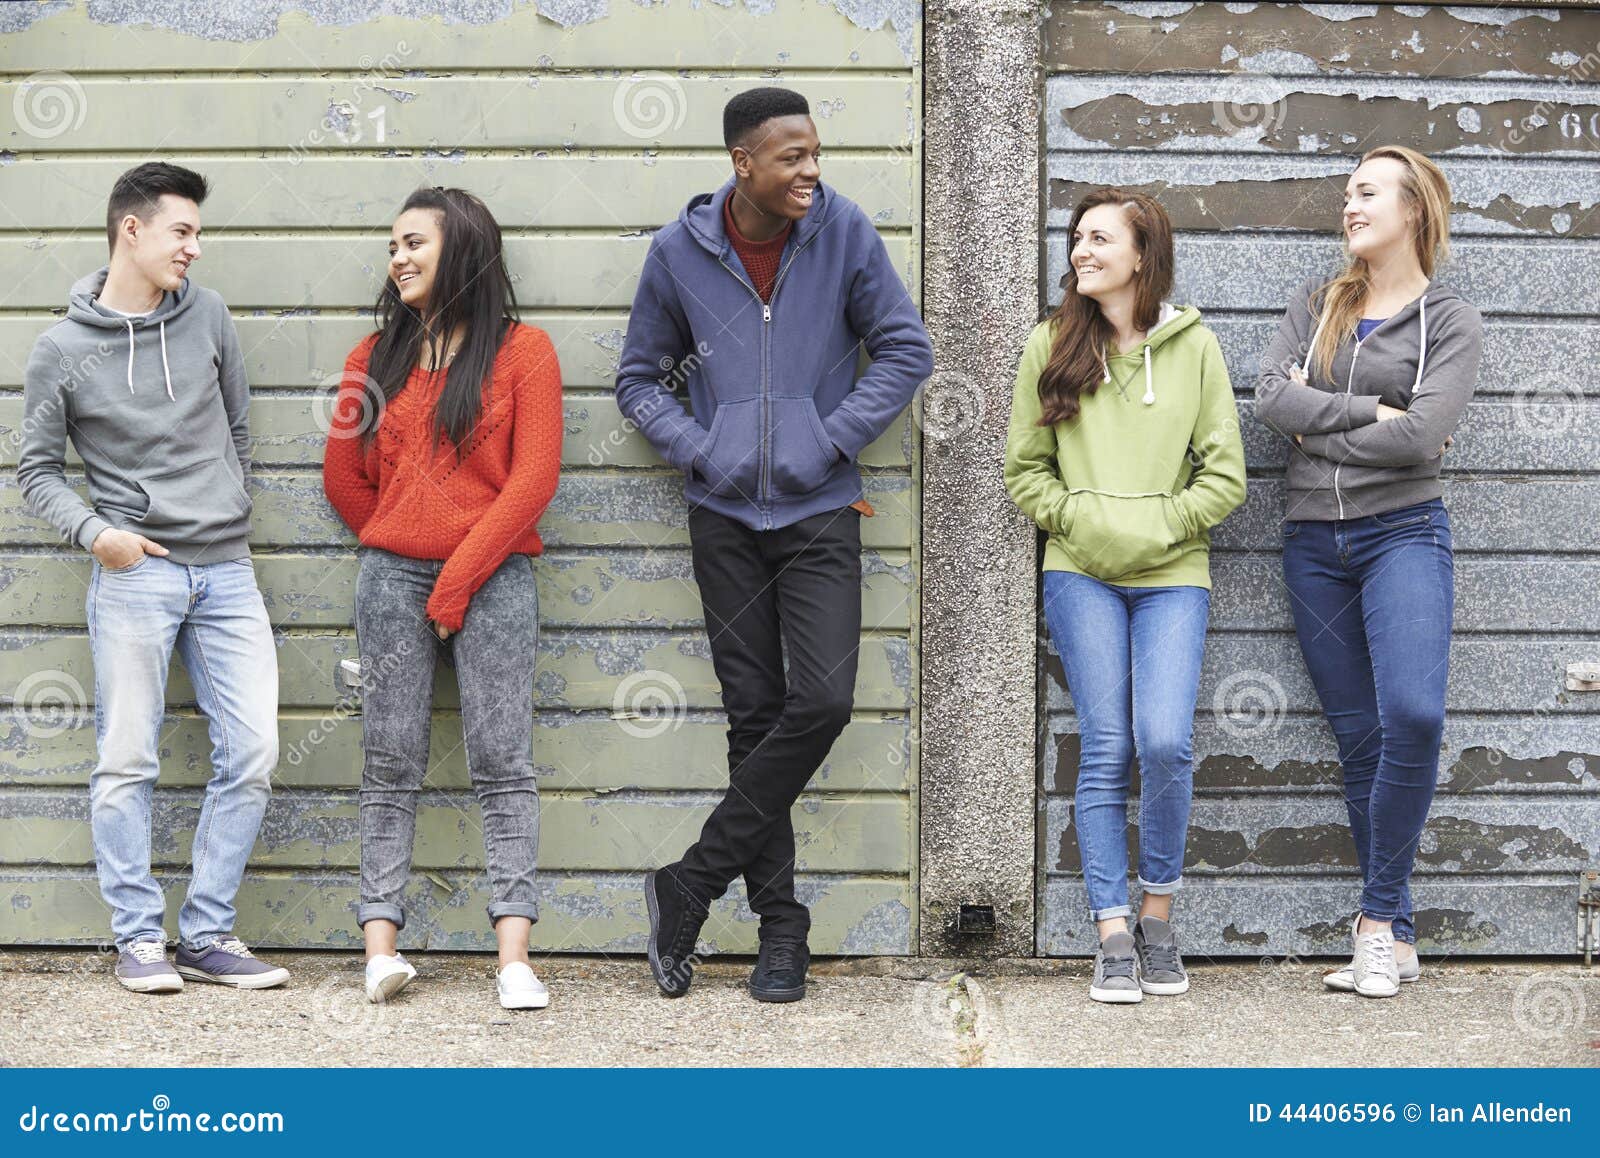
point(387, 976)
point(1374, 966)
point(520, 988)
point(1344, 980)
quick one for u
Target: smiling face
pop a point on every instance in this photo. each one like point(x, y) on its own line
point(778, 166)
point(163, 247)
point(1377, 220)
point(415, 244)
point(1105, 252)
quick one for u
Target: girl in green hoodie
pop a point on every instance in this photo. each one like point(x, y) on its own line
point(1124, 448)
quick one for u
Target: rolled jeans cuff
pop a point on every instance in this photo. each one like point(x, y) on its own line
point(1112, 912)
point(498, 909)
point(1161, 890)
point(380, 911)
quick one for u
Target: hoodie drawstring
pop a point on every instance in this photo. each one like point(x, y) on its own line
point(1422, 343)
point(1149, 398)
point(166, 368)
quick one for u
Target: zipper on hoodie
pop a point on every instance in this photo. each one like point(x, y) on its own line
point(1349, 388)
point(763, 465)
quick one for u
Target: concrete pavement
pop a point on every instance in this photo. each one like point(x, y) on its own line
point(64, 1008)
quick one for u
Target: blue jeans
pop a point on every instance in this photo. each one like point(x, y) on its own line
point(1132, 658)
point(1373, 600)
point(213, 614)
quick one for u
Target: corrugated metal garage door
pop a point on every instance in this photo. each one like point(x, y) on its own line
point(582, 136)
point(1245, 119)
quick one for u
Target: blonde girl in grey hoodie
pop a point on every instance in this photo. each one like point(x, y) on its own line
point(1369, 374)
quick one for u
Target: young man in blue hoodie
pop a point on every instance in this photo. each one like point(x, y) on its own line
point(146, 379)
point(759, 299)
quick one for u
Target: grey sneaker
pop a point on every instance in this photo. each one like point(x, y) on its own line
point(228, 962)
point(1161, 969)
point(1116, 971)
point(143, 967)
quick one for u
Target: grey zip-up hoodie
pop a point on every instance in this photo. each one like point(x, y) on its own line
point(1423, 359)
point(158, 408)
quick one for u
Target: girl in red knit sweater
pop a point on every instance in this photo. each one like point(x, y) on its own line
point(442, 454)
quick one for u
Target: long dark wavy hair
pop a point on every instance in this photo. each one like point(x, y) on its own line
point(471, 288)
point(1080, 333)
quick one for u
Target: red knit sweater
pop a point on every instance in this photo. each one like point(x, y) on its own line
point(405, 495)
point(759, 258)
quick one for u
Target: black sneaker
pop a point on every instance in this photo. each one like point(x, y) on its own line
point(780, 972)
point(675, 923)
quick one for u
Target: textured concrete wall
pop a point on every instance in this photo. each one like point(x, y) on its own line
point(1245, 120)
point(979, 569)
point(585, 125)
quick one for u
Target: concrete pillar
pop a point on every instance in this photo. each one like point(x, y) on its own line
point(982, 225)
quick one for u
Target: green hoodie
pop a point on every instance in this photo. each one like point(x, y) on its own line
point(1130, 488)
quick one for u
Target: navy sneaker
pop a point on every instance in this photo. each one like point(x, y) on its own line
point(780, 972)
point(228, 962)
point(143, 967)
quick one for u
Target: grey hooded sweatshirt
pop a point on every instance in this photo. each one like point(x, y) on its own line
point(1423, 359)
point(158, 409)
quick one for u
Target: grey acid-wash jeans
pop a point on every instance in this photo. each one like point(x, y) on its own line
point(494, 654)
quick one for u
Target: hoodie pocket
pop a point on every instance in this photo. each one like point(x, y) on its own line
point(731, 464)
point(802, 453)
point(195, 503)
point(1113, 536)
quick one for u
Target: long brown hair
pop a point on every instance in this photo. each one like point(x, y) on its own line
point(1425, 191)
point(1080, 333)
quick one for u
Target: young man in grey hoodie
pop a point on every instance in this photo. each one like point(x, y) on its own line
point(146, 379)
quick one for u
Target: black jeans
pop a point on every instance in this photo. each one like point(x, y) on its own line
point(798, 589)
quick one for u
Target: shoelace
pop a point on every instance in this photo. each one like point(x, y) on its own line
point(148, 952)
point(235, 946)
point(1162, 957)
point(1117, 966)
point(1377, 955)
point(783, 957)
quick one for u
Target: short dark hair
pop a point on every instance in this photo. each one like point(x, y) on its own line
point(754, 107)
point(139, 190)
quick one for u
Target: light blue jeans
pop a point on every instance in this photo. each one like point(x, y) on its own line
point(1132, 659)
point(214, 615)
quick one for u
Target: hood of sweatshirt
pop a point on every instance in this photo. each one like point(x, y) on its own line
point(84, 308)
point(702, 217)
point(1170, 322)
point(1437, 297)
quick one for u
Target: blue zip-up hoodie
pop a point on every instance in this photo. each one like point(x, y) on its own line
point(779, 414)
